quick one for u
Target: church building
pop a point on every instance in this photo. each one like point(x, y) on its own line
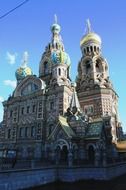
point(52, 119)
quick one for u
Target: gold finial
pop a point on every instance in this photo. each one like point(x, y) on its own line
point(55, 19)
point(88, 26)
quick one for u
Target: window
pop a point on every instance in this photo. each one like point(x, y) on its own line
point(26, 131)
point(45, 67)
point(51, 105)
point(87, 49)
point(28, 109)
point(9, 133)
point(40, 109)
point(33, 108)
point(89, 109)
point(88, 67)
point(11, 113)
point(21, 132)
point(84, 51)
point(50, 128)
point(94, 48)
point(22, 110)
point(33, 131)
point(91, 48)
point(59, 71)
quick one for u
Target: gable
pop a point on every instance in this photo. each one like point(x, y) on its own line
point(29, 85)
point(62, 130)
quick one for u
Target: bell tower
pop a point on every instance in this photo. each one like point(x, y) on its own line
point(95, 91)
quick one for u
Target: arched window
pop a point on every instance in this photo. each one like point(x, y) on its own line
point(33, 131)
point(84, 51)
point(95, 48)
point(45, 67)
point(87, 49)
point(59, 71)
point(91, 49)
point(88, 66)
point(98, 66)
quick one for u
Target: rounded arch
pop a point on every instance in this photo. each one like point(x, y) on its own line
point(44, 66)
point(90, 144)
point(60, 143)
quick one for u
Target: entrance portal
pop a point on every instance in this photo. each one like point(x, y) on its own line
point(64, 155)
point(91, 155)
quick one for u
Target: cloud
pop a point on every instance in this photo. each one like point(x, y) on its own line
point(1, 99)
point(11, 83)
point(11, 57)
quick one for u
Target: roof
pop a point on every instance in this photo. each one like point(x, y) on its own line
point(64, 124)
point(121, 146)
point(94, 130)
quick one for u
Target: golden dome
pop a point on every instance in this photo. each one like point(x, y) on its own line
point(90, 37)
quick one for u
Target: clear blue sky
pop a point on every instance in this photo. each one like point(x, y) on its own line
point(28, 29)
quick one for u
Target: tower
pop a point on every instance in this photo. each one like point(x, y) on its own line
point(55, 62)
point(95, 91)
point(54, 70)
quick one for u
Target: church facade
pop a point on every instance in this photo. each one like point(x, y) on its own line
point(50, 118)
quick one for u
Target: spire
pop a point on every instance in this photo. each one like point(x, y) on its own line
point(25, 59)
point(74, 101)
point(88, 28)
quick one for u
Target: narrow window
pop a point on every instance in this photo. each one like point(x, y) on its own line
point(33, 108)
point(94, 48)
point(11, 113)
point(84, 51)
point(45, 67)
point(21, 132)
point(26, 131)
point(51, 105)
point(88, 49)
point(59, 71)
point(91, 49)
point(22, 110)
point(28, 109)
point(33, 131)
point(9, 133)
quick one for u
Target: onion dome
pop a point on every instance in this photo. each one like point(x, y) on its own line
point(90, 36)
point(60, 57)
point(23, 71)
point(55, 29)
